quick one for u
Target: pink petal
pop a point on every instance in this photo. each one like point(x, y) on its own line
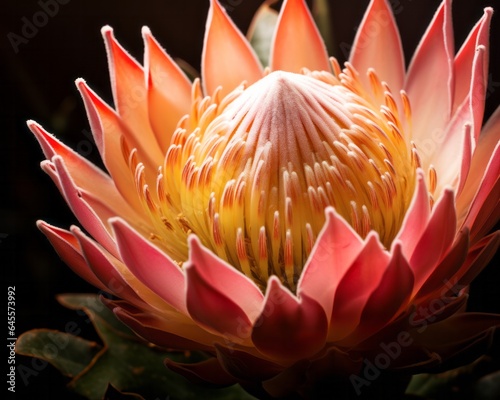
point(378, 45)
point(150, 265)
point(130, 96)
point(82, 210)
point(297, 42)
point(479, 36)
point(85, 174)
point(168, 89)
point(488, 215)
point(289, 328)
point(227, 58)
point(431, 71)
point(487, 144)
point(389, 298)
point(68, 249)
point(454, 155)
point(109, 133)
point(335, 249)
point(102, 265)
point(485, 200)
point(453, 334)
point(219, 297)
point(225, 278)
point(416, 218)
point(479, 256)
point(96, 187)
point(447, 268)
point(355, 287)
point(435, 240)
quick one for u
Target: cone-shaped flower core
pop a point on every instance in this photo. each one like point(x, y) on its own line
point(256, 170)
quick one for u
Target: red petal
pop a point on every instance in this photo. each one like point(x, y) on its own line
point(297, 42)
point(378, 45)
point(389, 298)
point(355, 288)
point(447, 268)
point(227, 58)
point(245, 366)
point(289, 329)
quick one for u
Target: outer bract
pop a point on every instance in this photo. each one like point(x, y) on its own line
point(297, 221)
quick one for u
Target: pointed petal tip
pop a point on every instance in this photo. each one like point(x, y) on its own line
point(223, 44)
point(79, 82)
point(107, 31)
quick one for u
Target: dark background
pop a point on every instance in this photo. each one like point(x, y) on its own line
point(36, 82)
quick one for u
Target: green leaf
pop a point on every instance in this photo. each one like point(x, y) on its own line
point(123, 365)
point(261, 32)
point(459, 383)
point(94, 308)
point(69, 354)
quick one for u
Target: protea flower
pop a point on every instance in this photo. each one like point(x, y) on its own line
point(295, 222)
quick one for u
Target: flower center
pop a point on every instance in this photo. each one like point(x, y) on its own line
point(252, 174)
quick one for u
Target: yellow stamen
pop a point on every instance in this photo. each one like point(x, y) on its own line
point(252, 173)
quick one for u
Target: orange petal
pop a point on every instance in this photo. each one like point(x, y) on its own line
point(109, 133)
point(130, 96)
point(227, 58)
point(479, 36)
point(168, 90)
point(378, 45)
point(297, 42)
